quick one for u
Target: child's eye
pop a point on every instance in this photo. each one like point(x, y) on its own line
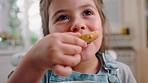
point(87, 13)
point(62, 18)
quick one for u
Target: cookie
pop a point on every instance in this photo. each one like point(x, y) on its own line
point(90, 37)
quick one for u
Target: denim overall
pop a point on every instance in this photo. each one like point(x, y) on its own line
point(107, 74)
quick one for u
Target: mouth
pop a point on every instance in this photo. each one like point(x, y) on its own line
point(88, 44)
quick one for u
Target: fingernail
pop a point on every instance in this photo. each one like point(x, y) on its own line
point(78, 34)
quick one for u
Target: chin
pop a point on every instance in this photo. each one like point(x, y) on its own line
point(88, 53)
point(85, 57)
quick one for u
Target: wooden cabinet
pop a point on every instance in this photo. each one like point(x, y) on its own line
point(143, 20)
point(143, 40)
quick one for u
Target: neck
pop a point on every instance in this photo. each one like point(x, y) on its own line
point(91, 66)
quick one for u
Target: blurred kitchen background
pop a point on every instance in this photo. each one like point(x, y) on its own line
point(20, 28)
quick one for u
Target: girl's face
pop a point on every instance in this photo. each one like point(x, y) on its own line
point(76, 16)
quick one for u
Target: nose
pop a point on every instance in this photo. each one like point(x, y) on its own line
point(78, 27)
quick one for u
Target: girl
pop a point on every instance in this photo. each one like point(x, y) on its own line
point(62, 56)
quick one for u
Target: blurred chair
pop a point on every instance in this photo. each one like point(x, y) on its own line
point(112, 53)
point(16, 58)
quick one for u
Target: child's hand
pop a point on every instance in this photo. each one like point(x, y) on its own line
point(57, 51)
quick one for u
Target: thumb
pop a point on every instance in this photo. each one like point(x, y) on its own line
point(74, 34)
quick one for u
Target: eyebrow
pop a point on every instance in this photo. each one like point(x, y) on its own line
point(87, 5)
point(66, 10)
point(59, 11)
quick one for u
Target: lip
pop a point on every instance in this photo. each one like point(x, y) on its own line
point(88, 44)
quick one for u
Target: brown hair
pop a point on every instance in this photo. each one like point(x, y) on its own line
point(44, 5)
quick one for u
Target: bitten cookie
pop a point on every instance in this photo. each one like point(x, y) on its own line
point(90, 37)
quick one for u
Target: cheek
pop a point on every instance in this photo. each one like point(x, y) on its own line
point(98, 43)
point(96, 26)
point(57, 28)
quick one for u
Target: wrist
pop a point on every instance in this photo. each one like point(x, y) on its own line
point(27, 72)
point(33, 64)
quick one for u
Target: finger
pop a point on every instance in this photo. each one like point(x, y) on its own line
point(62, 70)
point(69, 49)
point(69, 60)
point(71, 39)
point(74, 34)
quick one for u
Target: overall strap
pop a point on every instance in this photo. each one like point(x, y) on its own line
point(111, 66)
point(46, 77)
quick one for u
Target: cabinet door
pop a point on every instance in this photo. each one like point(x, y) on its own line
point(146, 4)
point(144, 23)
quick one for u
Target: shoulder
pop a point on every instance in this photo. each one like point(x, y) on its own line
point(123, 67)
point(125, 73)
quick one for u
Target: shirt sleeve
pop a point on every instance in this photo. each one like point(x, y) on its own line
point(125, 75)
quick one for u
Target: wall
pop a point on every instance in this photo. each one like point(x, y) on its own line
point(3, 15)
point(5, 67)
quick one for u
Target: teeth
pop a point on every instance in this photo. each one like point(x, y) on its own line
point(90, 37)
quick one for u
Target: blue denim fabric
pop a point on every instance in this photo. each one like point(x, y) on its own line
point(101, 77)
point(124, 74)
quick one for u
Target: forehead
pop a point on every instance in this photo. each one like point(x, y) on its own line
point(69, 4)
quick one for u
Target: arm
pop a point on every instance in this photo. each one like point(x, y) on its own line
point(26, 73)
point(57, 51)
point(131, 78)
point(125, 74)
